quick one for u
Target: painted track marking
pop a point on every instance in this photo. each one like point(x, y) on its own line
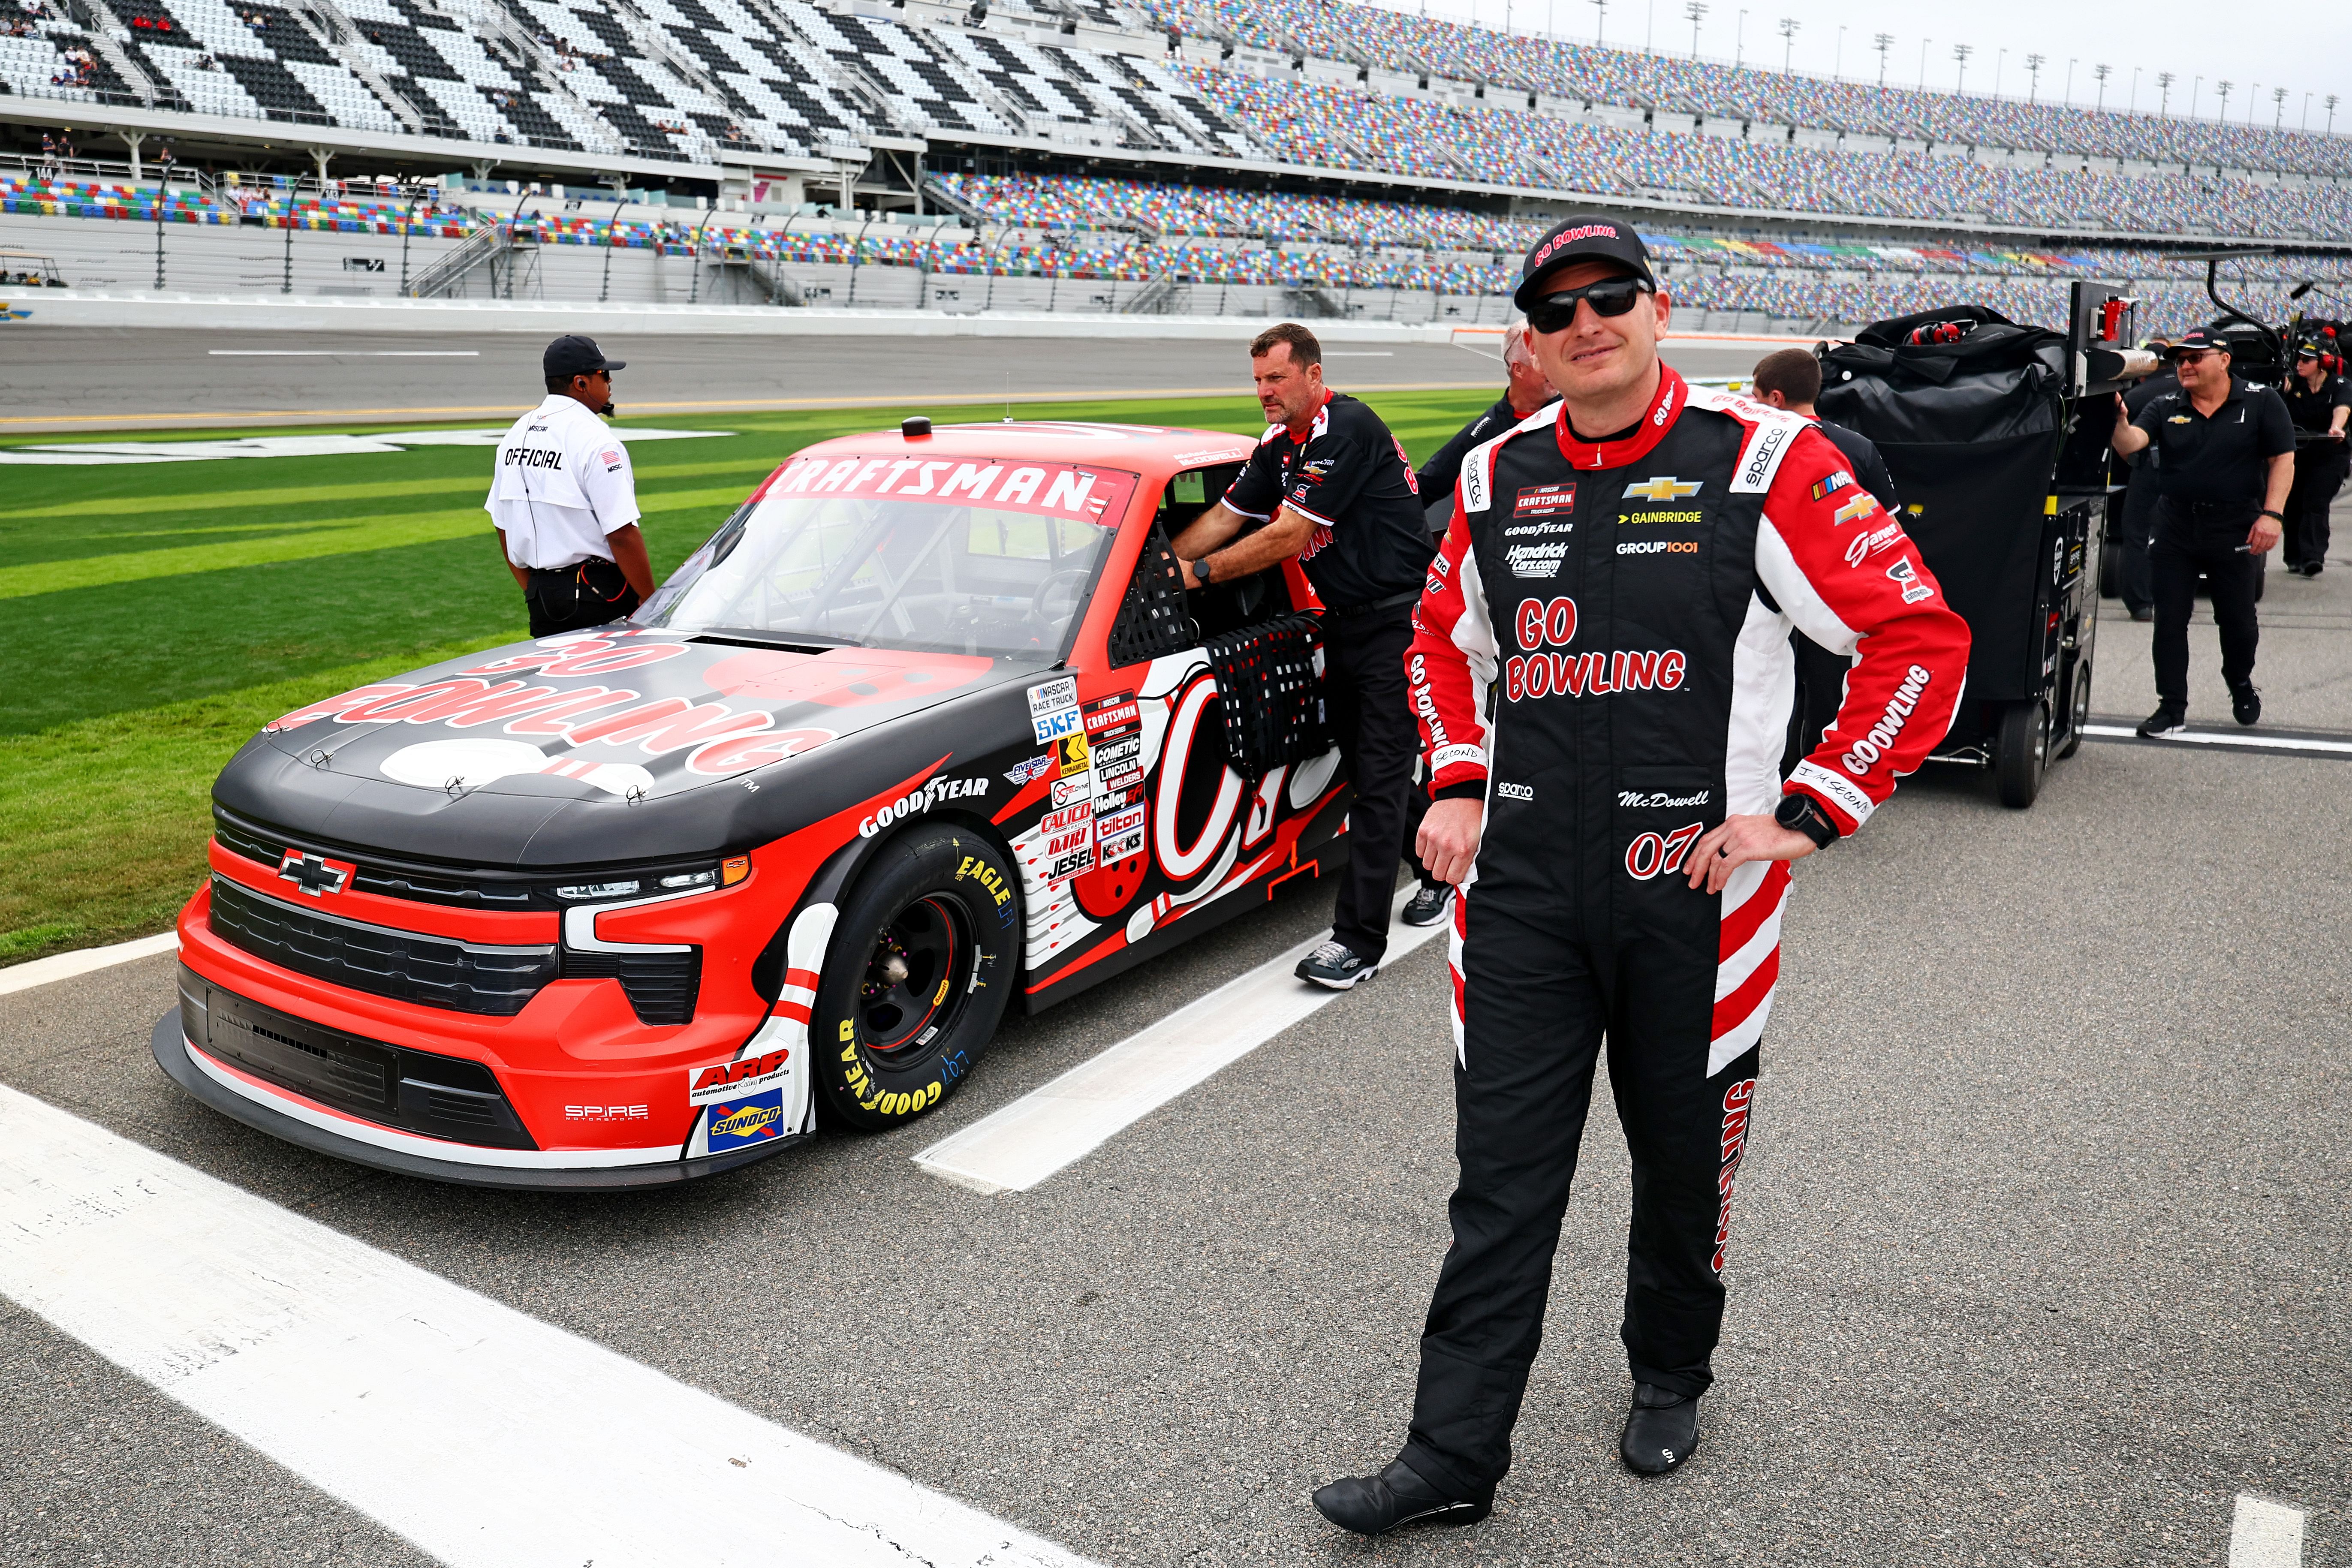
point(2252, 741)
point(2265, 1535)
point(83, 961)
point(1016, 1146)
point(488, 1438)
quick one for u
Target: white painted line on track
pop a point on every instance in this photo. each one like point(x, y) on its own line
point(1017, 1146)
point(2265, 1535)
point(65, 965)
point(2251, 740)
point(344, 353)
point(488, 1438)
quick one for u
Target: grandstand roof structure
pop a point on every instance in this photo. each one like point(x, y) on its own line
point(1303, 95)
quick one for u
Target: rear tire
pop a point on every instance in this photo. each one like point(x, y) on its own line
point(2078, 708)
point(922, 965)
point(2020, 753)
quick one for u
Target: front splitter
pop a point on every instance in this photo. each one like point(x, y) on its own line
point(171, 1047)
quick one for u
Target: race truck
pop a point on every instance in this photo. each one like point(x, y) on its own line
point(930, 727)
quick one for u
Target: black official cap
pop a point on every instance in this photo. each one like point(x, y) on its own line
point(2198, 339)
point(573, 355)
point(1583, 238)
point(2308, 351)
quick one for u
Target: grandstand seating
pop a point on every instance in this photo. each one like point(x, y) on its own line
point(1390, 40)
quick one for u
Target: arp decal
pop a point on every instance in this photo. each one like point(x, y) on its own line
point(734, 1080)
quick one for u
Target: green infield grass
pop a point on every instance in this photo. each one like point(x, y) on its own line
point(152, 617)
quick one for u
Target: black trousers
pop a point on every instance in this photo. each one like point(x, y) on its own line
point(2137, 589)
point(1372, 717)
point(1536, 1001)
point(2305, 535)
point(2210, 539)
point(573, 598)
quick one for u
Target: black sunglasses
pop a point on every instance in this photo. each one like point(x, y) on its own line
point(1610, 296)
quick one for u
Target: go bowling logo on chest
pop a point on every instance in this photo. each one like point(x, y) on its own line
point(1539, 672)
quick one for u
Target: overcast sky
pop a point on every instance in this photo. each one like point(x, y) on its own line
point(2295, 44)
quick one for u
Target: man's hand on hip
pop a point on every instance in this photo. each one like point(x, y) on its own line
point(1448, 842)
point(1732, 844)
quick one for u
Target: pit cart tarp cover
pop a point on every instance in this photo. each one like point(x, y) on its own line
point(1971, 431)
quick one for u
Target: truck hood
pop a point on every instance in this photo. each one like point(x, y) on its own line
point(473, 758)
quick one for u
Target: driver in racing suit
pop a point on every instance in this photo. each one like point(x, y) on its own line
point(1603, 672)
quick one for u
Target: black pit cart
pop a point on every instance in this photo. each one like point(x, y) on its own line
point(1996, 437)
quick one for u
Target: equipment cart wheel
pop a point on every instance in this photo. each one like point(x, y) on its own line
point(2020, 753)
point(2078, 709)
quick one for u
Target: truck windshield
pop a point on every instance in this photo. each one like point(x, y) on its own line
point(976, 556)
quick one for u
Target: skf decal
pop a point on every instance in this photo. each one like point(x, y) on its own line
point(1662, 489)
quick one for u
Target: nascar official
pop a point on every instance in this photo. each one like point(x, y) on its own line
point(1618, 582)
point(563, 500)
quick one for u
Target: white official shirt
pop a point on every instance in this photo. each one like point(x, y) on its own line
point(562, 483)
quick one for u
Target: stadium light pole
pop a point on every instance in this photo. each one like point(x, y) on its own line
point(2222, 88)
point(1600, 21)
point(2103, 72)
point(1837, 61)
point(2306, 111)
point(1882, 42)
point(2194, 86)
point(2070, 63)
point(2033, 64)
point(2278, 107)
point(2253, 92)
point(1788, 25)
point(2133, 106)
point(1696, 11)
point(2163, 81)
point(1740, 38)
point(1961, 52)
point(2330, 102)
point(1923, 63)
point(1999, 60)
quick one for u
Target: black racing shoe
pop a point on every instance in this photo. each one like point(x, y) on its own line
point(1337, 965)
point(2246, 703)
point(1375, 1505)
point(1428, 904)
point(1661, 1430)
point(2166, 721)
point(2144, 612)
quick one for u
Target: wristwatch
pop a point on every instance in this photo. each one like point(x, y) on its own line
point(1200, 571)
point(1802, 813)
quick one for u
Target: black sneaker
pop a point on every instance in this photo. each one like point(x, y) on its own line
point(2166, 721)
point(1428, 904)
point(1337, 965)
point(2314, 568)
point(2246, 703)
point(1661, 1430)
point(1375, 1505)
point(2144, 612)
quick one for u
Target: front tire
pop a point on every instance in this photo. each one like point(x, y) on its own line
point(922, 965)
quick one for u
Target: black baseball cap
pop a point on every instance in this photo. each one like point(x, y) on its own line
point(2307, 351)
point(2198, 339)
point(1581, 239)
point(573, 355)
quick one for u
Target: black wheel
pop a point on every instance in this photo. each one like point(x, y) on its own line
point(2020, 753)
point(921, 966)
point(2078, 707)
point(2111, 569)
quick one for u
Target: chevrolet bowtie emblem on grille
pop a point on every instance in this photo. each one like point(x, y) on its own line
point(312, 875)
point(1668, 488)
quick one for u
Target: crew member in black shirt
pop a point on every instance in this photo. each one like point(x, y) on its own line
point(2134, 586)
point(1329, 485)
point(1525, 390)
point(2222, 456)
point(1792, 379)
point(2319, 401)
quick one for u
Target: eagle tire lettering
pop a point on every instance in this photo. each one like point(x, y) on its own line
point(921, 965)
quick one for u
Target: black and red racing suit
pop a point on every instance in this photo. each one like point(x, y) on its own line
point(1602, 653)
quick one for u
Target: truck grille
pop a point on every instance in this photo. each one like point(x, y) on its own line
point(418, 1091)
point(661, 986)
point(438, 972)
